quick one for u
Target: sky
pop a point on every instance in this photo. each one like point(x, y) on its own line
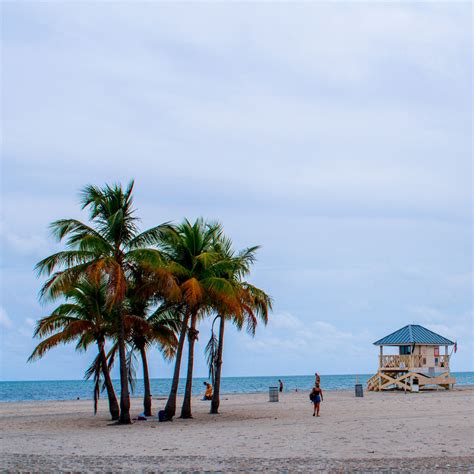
point(338, 136)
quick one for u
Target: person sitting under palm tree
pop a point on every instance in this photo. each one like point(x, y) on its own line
point(208, 394)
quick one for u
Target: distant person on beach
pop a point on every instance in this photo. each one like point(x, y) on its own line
point(316, 396)
point(317, 378)
point(208, 393)
point(281, 385)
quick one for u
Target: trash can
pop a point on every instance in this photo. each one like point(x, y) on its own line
point(415, 387)
point(273, 394)
point(359, 391)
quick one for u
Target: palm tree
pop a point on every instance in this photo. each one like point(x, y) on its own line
point(83, 317)
point(251, 304)
point(151, 288)
point(183, 317)
point(158, 328)
point(193, 259)
point(111, 245)
point(255, 304)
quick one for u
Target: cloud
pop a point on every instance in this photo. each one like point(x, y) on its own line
point(461, 332)
point(288, 333)
point(30, 322)
point(285, 321)
point(26, 328)
point(5, 321)
point(24, 244)
point(454, 325)
point(319, 94)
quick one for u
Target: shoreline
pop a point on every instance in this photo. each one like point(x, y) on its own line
point(228, 394)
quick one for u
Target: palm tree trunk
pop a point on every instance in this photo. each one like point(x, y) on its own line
point(170, 407)
point(217, 385)
point(146, 381)
point(192, 336)
point(113, 404)
point(124, 392)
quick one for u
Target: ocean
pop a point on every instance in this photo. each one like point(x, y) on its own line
point(72, 389)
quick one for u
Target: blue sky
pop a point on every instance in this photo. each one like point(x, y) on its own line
point(336, 135)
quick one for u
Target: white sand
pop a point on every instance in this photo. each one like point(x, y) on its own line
point(382, 430)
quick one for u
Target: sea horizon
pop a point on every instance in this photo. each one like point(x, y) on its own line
point(43, 390)
point(117, 379)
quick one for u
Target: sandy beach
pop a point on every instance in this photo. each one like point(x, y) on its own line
point(382, 431)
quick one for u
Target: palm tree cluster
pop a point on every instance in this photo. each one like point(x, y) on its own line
point(137, 290)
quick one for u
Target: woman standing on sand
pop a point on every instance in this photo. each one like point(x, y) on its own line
point(316, 397)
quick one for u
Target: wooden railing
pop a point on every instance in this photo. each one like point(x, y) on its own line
point(395, 361)
point(373, 383)
point(409, 361)
point(417, 361)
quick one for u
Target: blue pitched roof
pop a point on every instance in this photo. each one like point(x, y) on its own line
point(413, 334)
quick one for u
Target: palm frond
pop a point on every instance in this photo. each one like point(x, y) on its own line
point(111, 355)
point(85, 340)
point(131, 372)
point(65, 259)
point(150, 237)
point(61, 282)
point(80, 235)
point(95, 371)
point(211, 355)
point(211, 351)
point(193, 292)
point(149, 259)
point(60, 319)
point(62, 337)
point(110, 208)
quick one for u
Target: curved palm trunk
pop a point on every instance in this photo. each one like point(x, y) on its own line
point(170, 407)
point(124, 392)
point(146, 382)
point(217, 385)
point(192, 336)
point(113, 404)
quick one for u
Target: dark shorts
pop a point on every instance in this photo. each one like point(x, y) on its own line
point(317, 399)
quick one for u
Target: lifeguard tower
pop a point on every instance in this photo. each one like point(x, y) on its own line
point(417, 364)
